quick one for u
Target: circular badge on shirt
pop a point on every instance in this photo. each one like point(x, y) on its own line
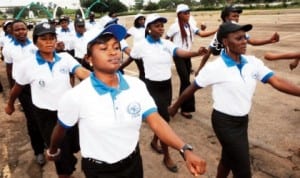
point(134, 109)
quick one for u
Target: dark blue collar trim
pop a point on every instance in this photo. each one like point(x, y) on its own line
point(152, 41)
point(230, 62)
point(102, 88)
point(40, 60)
point(18, 43)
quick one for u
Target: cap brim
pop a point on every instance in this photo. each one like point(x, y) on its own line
point(245, 28)
point(45, 32)
point(118, 31)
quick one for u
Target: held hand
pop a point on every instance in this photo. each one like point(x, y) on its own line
point(195, 165)
point(9, 109)
point(203, 26)
point(275, 38)
point(294, 64)
point(172, 111)
point(202, 51)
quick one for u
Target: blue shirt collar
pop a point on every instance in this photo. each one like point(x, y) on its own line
point(40, 60)
point(152, 41)
point(79, 35)
point(230, 62)
point(65, 30)
point(102, 88)
point(18, 43)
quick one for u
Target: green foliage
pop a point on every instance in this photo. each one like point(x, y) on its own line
point(151, 6)
point(139, 4)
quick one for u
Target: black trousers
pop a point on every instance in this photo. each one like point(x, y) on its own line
point(140, 65)
point(36, 139)
point(130, 167)
point(47, 120)
point(232, 133)
point(161, 92)
point(183, 68)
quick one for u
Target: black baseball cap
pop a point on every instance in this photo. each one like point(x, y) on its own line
point(227, 9)
point(43, 28)
point(230, 27)
point(79, 22)
point(64, 18)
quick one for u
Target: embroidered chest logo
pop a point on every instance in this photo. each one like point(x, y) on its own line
point(64, 71)
point(42, 83)
point(134, 109)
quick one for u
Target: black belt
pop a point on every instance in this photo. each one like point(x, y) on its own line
point(125, 160)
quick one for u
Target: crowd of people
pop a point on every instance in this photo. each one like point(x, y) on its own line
point(106, 107)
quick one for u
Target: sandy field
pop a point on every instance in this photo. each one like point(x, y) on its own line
point(274, 124)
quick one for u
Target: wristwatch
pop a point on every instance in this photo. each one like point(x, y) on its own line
point(184, 148)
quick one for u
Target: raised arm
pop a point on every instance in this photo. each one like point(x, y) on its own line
point(204, 33)
point(285, 55)
point(186, 54)
point(195, 164)
point(284, 86)
point(256, 42)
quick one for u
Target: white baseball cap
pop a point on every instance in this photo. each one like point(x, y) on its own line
point(154, 17)
point(138, 16)
point(182, 8)
point(117, 30)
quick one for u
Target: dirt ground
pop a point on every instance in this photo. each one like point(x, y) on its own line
point(274, 119)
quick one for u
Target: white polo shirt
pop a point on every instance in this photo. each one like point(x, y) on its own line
point(156, 56)
point(15, 52)
point(48, 81)
point(138, 34)
point(5, 39)
point(233, 85)
point(109, 119)
point(67, 36)
point(174, 33)
point(80, 46)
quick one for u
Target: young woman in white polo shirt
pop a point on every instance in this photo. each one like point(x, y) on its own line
point(47, 72)
point(109, 108)
point(233, 78)
point(182, 33)
point(156, 54)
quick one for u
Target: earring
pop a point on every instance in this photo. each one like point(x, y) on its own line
point(149, 31)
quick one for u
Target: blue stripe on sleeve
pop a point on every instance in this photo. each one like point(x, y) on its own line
point(63, 125)
point(174, 52)
point(267, 77)
point(74, 68)
point(148, 112)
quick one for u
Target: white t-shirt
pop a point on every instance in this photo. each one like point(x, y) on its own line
point(138, 34)
point(66, 36)
point(109, 119)
point(174, 33)
point(156, 56)
point(48, 81)
point(233, 85)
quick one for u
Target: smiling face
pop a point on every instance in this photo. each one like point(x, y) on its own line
point(105, 54)
point(233, 16)
point(236, 43)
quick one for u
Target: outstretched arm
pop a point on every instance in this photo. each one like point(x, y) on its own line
point(204, 33)
point(284, 86)
point(203, 61)
point(256, 42)
point(165, 133)
point(285, 55)
point(187, 93)
point(186, 54)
